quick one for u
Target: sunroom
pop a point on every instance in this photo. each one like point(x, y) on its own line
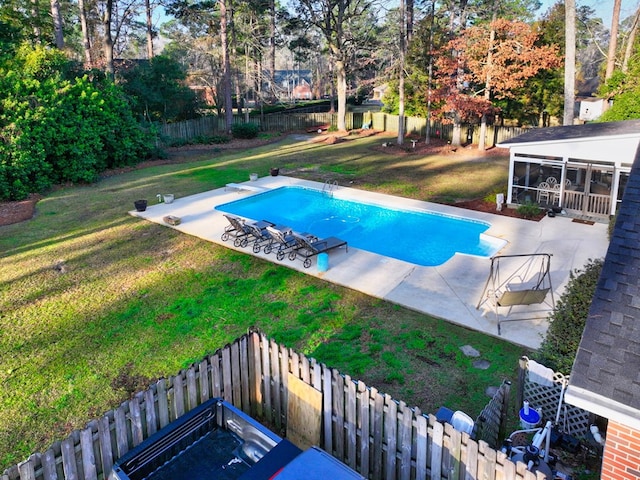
point(581, 169)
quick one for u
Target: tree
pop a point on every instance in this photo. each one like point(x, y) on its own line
point(200, 15)
point(343, 27)
point(158, 91)
point(515, 57)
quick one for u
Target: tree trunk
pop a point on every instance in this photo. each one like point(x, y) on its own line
point(569, 62)
point(224, 40)
point(57, 24)
point(456, 135)
point(86, 42)
point(108, 39)
point(613, 40)
point(149, 10)
point(487, 81)
point(341, 85)
point(37, 32)
point(630, 42)
point(403, 15)
point(272, 45)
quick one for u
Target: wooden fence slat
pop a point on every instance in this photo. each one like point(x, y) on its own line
point(390, 436)
point(266, 377)
point(49, 469)
point(227, 391)
point(178, 396)
point(255, 375)
point(88, 455)
point(471, 460)
point(452, 443)
point(327, 408)
point(150, 412)
point(163, 402)
point(106, 449)
point(283, 383)
point(378, 431)
point(192, 388)
point(486, 468)
point(27, 470)
point(122, 442)
point(350, 421)
point(421, 447)
point(363, 429)
point(235, 381)
point(305, 369)
point(136, 421)
point(245, 374)
point(203, 375)
point(69, 460)
point(216, 375)
point(338, 414)
point(275, 383)
point(406, 429)
point(437, 439)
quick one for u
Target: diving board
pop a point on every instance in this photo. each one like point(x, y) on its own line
point(244, 186)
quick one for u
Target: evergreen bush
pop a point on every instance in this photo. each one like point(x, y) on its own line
point(245, 130)
point(566, 323)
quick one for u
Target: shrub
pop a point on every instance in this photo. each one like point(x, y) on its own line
point(528, 210)
point(245, 130)
point(566, 323)
point(57, 129)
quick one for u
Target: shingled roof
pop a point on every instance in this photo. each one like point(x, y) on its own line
point(605, 378)
point(575, 132)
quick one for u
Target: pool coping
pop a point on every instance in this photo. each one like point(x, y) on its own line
point(449, 291)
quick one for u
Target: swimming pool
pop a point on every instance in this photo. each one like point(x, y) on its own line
point(418, 237)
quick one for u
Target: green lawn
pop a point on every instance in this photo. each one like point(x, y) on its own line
point(95, 304)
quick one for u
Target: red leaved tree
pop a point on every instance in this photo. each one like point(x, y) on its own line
point(488, 61)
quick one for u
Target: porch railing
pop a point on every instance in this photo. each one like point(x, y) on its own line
point(595, 204)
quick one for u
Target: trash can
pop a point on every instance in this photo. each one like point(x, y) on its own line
point(323, 262)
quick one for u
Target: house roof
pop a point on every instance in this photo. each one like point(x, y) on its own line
point(576, 132)
point(611, 142)
point(605, 378)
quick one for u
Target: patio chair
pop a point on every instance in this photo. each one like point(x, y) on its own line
point(552, 180)
point(239, 229)
point(308, 248)
point(283, 238)
point(258, 235)
point(543, 192)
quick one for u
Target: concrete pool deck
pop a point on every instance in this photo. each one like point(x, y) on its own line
point(450, 291)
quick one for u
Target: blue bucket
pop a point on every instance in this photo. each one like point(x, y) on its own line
point(323, 262)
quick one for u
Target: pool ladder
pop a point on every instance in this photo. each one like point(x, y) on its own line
point(329, 186)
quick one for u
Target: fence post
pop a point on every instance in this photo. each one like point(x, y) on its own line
point(504, 413)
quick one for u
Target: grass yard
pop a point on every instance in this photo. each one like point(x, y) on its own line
point(96, 304)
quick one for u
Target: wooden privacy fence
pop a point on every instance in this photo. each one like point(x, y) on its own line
point(289, 122)
point(371, 432)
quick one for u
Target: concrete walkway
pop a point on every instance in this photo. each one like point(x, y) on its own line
point(450, 291)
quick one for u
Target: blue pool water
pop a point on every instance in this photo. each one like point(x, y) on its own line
point(422, 238)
